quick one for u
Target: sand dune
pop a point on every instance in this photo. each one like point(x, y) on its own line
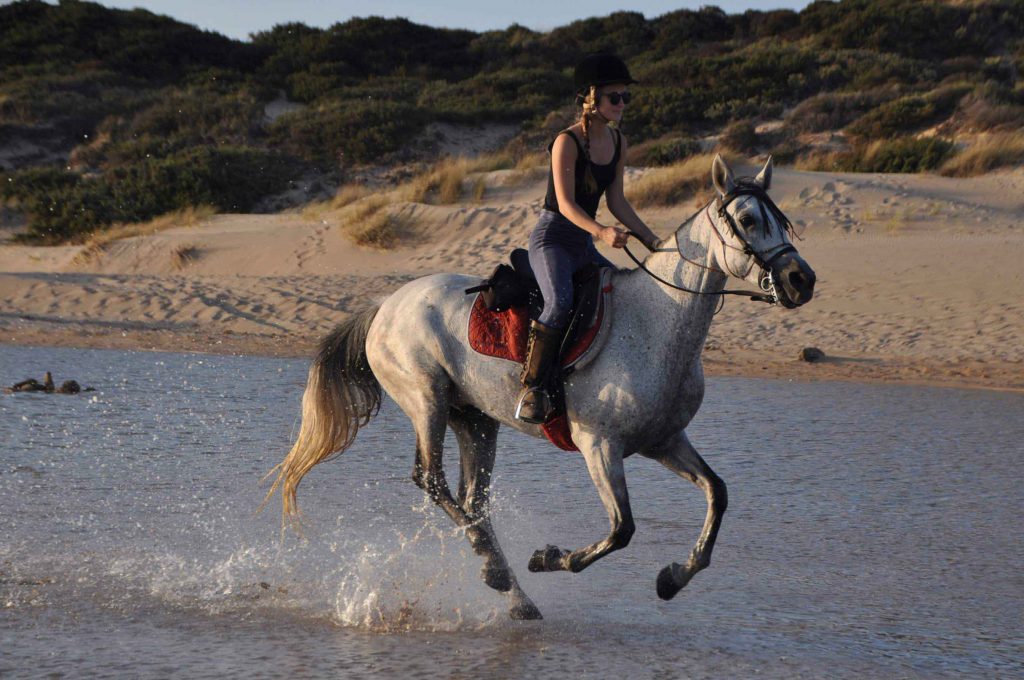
point(919, 279)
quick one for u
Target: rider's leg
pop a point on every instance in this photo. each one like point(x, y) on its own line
point(553, 265)
point(541, 353)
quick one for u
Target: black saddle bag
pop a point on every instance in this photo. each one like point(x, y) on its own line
point(510, 286)
point(503, 289)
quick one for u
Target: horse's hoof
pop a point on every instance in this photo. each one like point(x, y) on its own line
point(666, 583)
point(548, 559)
point(525, 611)
point(498, 579)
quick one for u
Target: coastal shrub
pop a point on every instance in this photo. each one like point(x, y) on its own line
point(345, 133)
point(740, 136)
point(129, 87)
point(624, 33)
point(993, 106)
point(833, 110)
point(904, 154)
point(179, 120)
point(986, 154)
point(908, 113)
point(137, 42)
point(925, 30)
point(61, 205)
point(663, 151)
point(507, 94)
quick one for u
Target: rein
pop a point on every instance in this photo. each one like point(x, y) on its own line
point(757, 297)
point(766, 280)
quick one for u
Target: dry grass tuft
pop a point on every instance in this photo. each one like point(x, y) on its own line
point(377, 231)
point(821, 160)
point(183, 255)
point(479, 188)
point(445, 183)
point(988, 153)
point(672, 184)
point(97, 242)
point(368, 222)
point(530, 168)
point(348, 194)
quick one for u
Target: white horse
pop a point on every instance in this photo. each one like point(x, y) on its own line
point(637, 396)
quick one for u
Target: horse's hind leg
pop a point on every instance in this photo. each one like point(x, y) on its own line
point(477, 435)
point(678, 455)
point(428, 409)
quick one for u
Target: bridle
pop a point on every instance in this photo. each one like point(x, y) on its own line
point(766, 282)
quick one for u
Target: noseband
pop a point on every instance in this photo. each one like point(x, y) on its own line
point(766, 281)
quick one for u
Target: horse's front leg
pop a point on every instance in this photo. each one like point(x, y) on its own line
point(678, 455)
point(604, 460)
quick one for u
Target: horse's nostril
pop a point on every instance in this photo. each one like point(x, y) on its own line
point(797, 280)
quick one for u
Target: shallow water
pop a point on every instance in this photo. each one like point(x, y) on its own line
point(872, 531)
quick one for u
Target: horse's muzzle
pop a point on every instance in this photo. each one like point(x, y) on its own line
point(794, 280)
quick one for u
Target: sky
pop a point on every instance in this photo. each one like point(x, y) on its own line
point(239, 18)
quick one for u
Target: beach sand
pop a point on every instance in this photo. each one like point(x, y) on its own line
point(919, 280)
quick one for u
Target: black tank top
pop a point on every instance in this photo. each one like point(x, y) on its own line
point(604, 174)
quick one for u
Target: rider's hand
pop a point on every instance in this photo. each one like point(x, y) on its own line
point(614, 236)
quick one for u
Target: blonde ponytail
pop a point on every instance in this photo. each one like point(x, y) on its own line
point(589, 109)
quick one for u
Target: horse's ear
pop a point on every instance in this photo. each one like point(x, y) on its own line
point(764, 178)
point(721, 175)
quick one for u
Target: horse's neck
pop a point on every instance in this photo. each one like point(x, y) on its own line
point(685, 316)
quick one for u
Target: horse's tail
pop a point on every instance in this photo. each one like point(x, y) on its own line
point(342, 395)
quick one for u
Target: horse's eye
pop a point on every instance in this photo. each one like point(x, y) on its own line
point(747, 221)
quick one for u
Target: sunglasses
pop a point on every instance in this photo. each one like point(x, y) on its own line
point(616, 97)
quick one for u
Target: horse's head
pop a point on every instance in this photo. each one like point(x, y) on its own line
point(753, 236)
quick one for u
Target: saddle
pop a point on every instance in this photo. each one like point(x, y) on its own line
point(500, 319)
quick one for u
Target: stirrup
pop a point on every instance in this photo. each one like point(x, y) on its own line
point(522, 399)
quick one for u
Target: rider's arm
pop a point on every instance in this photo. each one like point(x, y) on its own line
point(620, 207)
point(563, 168)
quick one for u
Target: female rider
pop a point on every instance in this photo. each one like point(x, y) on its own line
point(587, 161)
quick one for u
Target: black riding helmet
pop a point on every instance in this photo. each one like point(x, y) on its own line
point(600, 69)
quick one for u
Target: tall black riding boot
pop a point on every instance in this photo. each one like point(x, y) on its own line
point(541, 352)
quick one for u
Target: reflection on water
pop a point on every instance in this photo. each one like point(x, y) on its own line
point(871, 532)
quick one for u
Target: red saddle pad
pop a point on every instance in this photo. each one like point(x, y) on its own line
point(503, 335)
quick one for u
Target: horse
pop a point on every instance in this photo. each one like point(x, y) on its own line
point(636, 396)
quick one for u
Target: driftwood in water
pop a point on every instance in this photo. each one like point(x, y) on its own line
point(33, 385)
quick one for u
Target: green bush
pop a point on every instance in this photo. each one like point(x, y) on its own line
point(62, 205)
point(907, 114)
point(665, 151)
point(138, 43)
point(833, 110)
point(506, 95)
point(900, 155)
point(347, 132)
point(926, 30)
point(740, 137)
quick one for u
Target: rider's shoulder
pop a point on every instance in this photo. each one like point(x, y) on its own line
point(566, 141)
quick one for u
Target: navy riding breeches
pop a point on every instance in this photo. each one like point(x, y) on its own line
point(559, 249)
